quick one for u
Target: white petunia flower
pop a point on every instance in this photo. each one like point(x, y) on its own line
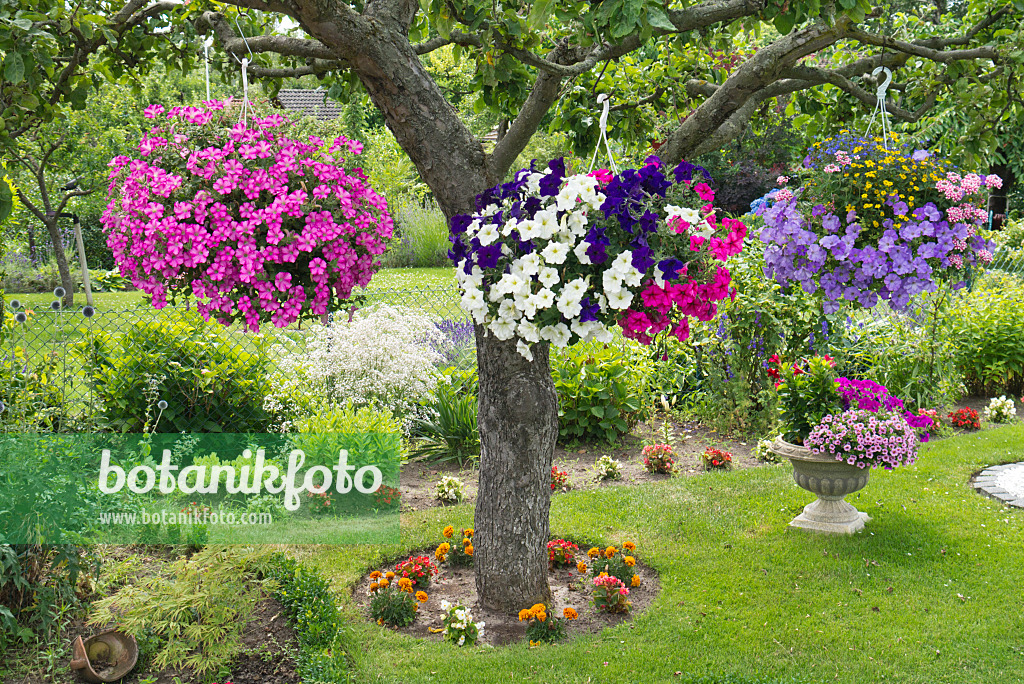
point(507, 309)
point(488, 234)
point(530, 264)
point(620, 300)
point(580, 251)
point(612, 281)
point(510, 225)
point(691, 216)
point(524, 350)
point(557, 334)
point(548, 277)
point(528, 331)
point(555, 252)
point(502, 328)
point(566, 197)
point(546, 224)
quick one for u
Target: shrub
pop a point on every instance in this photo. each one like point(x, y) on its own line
point(608, 468)
point(986, 327)
point(457, 553)
point(610, 595)
point(658, 458)
point(449, 432)
point(459, 626)
point(561, 553)
point(965, 419)
point(1000, 410)
point(372, 436)
point(422, 238)
point(449, 490)
point(544, 628)
point(599, 395)
point(382, 357)
point(209, 381)
point(559, 479)
point(393, 604)
point(197, 611)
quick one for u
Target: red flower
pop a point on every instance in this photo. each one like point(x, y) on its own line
point(797, 370)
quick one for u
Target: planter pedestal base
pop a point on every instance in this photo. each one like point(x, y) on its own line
point(834, 516)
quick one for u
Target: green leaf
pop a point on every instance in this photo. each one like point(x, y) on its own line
point(14, 67)
point(597, 411)
point(657, 18)
point(539, 14)
point(784, 23)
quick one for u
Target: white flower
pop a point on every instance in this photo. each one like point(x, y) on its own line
point(503, 328)
point(530, 264)
point(580, 250)
point(528, 331)
point(548, 276)
point(632, 277)
point(510, 225)
point(547, 224)
point(528, 230)
point(473, 227)
point(462, 640)
point(507, 309)
point(568, 307)
point(612, 281)
point(558, 334)
point(620, 300)
point(533, 183)
point(555, 252)
point(524, 350)
point(623, 263)
point(445, 605)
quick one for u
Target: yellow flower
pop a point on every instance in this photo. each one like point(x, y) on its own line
point(534, 643)
point(629, 560)
point(421, 596)
point(524, 614)
point(594, 552)
point(636, 581)
point(466, 540)
point(405, 584)
point(469, 550)
point(383, 584)
point(602, 574)
point(442, 551)
point(376, 575)
point(390, 575)
point(542, 616)
point(373, 586)
point(468, 532)
point(581, 567)
point(380, 622)
point(448, 532)
point(570, 614)
point(610, 551)
point(629, 546)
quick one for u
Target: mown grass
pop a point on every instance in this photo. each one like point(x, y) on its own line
point(930, 592)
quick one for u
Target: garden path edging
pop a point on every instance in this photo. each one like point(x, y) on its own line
point(1004, 482)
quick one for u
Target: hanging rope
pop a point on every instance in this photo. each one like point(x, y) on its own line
point(245, 61)
point(604, 100)
point(206, 58)
point(880, 110)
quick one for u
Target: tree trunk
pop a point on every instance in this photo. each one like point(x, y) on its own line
point(518, 421)
point(62, 264)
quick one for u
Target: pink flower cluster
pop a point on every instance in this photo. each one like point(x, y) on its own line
point(865, 439)
point(612, 584)
point(253, 224)
point(667, 302)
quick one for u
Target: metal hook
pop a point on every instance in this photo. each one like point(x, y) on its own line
point(244, 39)
point(880, 91)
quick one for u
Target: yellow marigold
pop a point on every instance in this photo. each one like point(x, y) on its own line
point(376, 575)
point(602, 574)
point(466, 541)
point(538, 608)
point(534, 643)
point(421, 596)
point(448, 532)
point(405, 584)
point(570, 614)
point(373, 586)
point(594, 552)
point(542, 616)
point(468, 532)
point(636, 581)
point(390, 575)
point(383, 584)
point(629, 560)
point(469, 550)
point(610, 551)
point(629, 546)
point(524, 614)
point(581, 567)
point(442, 551)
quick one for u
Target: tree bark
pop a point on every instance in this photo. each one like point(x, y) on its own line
point(518, 421)
point(68, 300)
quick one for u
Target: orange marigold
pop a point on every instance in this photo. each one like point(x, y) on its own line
point(581, 567)
point(442, 551)
point(636, 581)
point(383, 583)
point(610, 551)
point(389, 575)
point(629, 546)
point(421, 596)
point(373, 586)
point(376, 575)
point(629, 560)
point(466, 541)
point(468, 532)
point(405, 584)
point(448, 532)
point(570, 614)
point(525, 614)
point(469, 550)
point(594, 552)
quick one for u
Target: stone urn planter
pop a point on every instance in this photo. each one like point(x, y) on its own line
point(830, 480)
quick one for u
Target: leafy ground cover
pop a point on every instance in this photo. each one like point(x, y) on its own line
point(927, 593)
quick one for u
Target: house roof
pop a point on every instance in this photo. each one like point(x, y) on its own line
point(310, 102)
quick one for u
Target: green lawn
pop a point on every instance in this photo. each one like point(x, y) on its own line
point(930, 592)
